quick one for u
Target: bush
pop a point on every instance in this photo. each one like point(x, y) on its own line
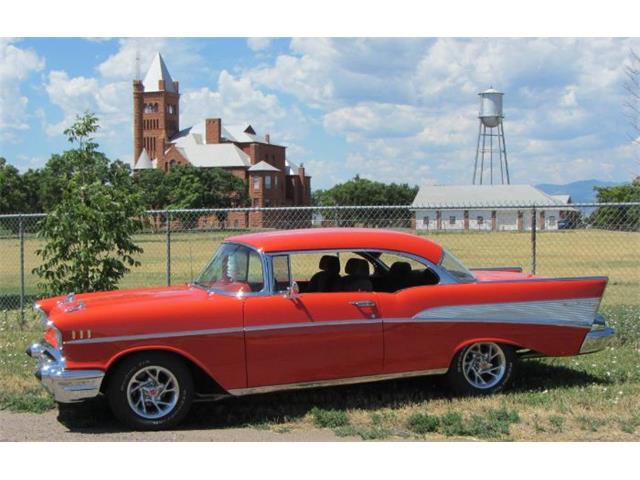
point(329, 418)
point(422, 423)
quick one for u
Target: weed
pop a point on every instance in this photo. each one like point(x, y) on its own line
point(365, 432)
point(329, 418)
point(557, 422)
point(590, 424)
point(422, 423)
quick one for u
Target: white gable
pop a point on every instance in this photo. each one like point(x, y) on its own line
point(158, 71)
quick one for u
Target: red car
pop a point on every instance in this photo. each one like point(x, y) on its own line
point(307, 308)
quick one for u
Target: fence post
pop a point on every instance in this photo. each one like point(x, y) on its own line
point(533, 240)
point(21, 234)
point(168, 217)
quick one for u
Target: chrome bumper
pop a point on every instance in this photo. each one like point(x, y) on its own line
point(598, 338)
point(66, 386)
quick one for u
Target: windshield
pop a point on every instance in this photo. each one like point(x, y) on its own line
point(233, 268)
point(455, 267)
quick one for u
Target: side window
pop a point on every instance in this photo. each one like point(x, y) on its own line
point(403, 272)
point(281, 273)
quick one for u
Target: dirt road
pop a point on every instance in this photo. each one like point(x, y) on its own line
point(55, 426)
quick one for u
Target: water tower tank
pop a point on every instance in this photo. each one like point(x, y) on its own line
point(491, 107)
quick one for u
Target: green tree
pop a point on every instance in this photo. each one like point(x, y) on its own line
point(12, 196)
point(190, 187)
point(360, 191)
point(88, 234)
point(618, 218)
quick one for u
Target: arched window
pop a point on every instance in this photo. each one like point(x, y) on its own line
point(172, 164)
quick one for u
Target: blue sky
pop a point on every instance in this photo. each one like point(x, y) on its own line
point(401, 110)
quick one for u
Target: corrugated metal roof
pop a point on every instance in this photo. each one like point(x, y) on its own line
point(263, 167)
point(477, 195)
point(158, 71)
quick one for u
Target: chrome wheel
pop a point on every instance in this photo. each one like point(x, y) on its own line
point(153, 392)
point(484, 365)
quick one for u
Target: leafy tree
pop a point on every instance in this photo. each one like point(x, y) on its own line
point(12, 197)
point(190, 187)
point(618, 218)
point(360, 191)
point(88, 234)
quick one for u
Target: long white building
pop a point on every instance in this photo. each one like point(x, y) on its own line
point(487, 207)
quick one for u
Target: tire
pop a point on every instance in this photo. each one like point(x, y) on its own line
point(150, 391)
point(502, 360)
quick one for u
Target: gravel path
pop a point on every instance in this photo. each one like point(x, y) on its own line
point(55, 426)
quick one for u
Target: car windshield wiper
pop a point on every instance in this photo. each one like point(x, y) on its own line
point(198, 284)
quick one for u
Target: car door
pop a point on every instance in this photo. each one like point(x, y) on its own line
point(310, 337)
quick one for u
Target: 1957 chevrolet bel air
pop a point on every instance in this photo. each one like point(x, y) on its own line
point(307, 308)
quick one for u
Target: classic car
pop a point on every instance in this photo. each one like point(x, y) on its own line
point(294, 309)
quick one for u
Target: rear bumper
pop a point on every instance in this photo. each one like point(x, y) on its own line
point(66, 386)
point(598, 338)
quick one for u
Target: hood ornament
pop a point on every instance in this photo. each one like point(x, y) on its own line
point(70, 298)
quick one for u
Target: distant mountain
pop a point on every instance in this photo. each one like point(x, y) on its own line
point(581, 191)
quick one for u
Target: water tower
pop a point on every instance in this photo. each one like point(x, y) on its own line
point(491, 150)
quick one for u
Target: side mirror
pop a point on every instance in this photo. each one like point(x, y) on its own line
point(293, 291)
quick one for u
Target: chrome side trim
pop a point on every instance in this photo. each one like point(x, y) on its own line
point(148, 336)
point(328, 323)
point(573, 312)
point(497, 269)
point(335, 382)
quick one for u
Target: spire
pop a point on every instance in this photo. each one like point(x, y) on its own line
point(158, 71)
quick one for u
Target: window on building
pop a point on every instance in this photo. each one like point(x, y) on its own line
point(267, 182)
point(172, 164)
point(452, 220)
point(275, 181)
point(552, 220)
point(256, 183)
point(480, 220)
point(267, 202)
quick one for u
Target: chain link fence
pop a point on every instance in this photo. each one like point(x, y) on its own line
point(556, 240)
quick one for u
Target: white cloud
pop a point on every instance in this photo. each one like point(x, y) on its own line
point(259, 43)
point(16, 64)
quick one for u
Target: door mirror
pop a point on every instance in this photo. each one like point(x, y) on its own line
point(293, 291)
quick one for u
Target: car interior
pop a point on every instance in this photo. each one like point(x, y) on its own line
point(366, 274)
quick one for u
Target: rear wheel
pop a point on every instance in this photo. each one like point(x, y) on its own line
point(482, 368)
point(151, 391)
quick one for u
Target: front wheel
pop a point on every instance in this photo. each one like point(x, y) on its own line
point(151, 391)
point(482, 368)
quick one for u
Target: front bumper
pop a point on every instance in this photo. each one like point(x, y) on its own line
point(598, 338)
point(66, 386)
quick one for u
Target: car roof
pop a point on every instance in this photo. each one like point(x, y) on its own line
point(341, 238)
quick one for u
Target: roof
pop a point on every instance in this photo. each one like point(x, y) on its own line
point(290, 168)
point(263, 166)
point(143, 162)
point(341, 238)
point(231, 133)
point(214, 155)
point(158, 71)
point(562, 198)
point(479, 195)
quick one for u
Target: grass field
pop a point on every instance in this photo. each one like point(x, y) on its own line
point(559, 253)
point(579, 398)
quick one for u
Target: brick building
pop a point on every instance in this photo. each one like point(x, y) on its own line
point(158, 142)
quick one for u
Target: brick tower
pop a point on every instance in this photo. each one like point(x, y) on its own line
point(156, 109)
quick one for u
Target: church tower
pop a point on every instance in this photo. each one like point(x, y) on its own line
point(156, 103)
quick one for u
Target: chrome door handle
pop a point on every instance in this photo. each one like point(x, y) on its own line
point(363, 303)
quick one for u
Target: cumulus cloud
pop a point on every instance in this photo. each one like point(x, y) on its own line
point(258, 43)
point(16, 64)
point(394, 100)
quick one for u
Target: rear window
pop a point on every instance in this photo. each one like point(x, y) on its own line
point(455, 267)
